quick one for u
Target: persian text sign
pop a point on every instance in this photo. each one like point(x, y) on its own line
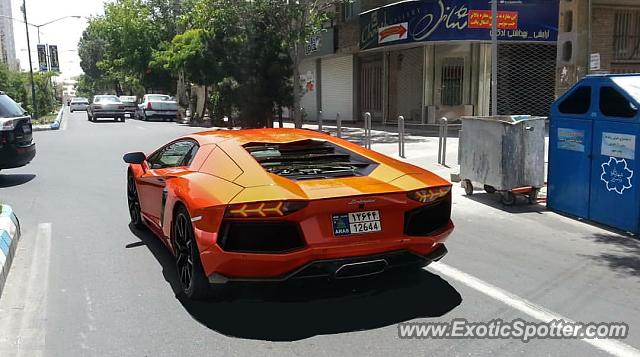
point(482, 19)
point(455, 20)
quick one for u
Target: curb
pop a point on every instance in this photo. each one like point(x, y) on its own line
point(9, 236)
point(53, 126)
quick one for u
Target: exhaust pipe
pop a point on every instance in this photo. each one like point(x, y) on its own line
point(360, 269)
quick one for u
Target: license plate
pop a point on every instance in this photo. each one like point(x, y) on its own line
point(26, 128)
point(356, 223)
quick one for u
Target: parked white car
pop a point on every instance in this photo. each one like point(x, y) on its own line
point(79, 104)
point(157, 106)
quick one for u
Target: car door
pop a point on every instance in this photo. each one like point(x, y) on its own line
point(170, 161)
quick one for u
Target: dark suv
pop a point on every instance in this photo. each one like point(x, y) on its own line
point(16, 143)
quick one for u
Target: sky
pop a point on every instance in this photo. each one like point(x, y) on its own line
point(64, 33)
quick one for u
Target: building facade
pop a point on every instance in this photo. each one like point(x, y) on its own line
point(428, 59)
point(7, 41)
point(597, 36)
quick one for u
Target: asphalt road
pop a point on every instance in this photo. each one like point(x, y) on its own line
point(85, 284)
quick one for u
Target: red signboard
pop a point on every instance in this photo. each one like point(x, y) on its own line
point(481, 19)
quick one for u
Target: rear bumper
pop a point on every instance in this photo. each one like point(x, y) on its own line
point(352, 267)
point(334, 262)
point(12, 156)
point(108, 114)
point(78, 108)
point(161, 113)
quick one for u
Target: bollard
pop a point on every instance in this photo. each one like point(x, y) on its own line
point(338, 125)
point(319, 120)
point(401, 136)
point(367, 130)
point(442, 141)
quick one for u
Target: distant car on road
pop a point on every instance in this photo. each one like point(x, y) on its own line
point(130, 104)
point(157, 106)
point(16, 142)
point(106, 106)
point(285, 204)
point(79, 104)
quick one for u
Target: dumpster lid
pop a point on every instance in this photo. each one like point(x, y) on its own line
point(630, 84)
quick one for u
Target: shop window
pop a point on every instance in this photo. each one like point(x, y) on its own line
point(614, 104)
point(626, 35)
point(577, 102)
point(452, 81)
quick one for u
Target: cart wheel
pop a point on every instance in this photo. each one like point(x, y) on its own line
point(533, 195)
point(508, 198)
point(489, 189)
point(468, 187)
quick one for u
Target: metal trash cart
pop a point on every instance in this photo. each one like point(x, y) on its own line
point(505, 154)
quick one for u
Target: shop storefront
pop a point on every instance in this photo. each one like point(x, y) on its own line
point(428, 59)
point(327, 79)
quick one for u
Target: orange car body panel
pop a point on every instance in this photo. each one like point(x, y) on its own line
point(224, 173)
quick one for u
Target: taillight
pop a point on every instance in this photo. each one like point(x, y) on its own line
point(97, 107)
point(9, 125)
point(149, 105)
point(428, 195)
point(263, 209)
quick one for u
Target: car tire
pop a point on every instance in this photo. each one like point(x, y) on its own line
point(71, 110)
point(193, 282)
point(134, 202)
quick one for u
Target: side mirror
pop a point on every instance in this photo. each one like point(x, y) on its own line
point(134, 158)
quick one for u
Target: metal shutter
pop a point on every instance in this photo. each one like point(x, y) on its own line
point(410, 84)
point(337, 88)
point(309, 83)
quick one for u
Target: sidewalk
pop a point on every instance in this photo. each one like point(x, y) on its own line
point(421, 146)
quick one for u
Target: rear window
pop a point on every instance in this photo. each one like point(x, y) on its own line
point(106, 99)
point(80, 100)
point(159, 98)
point(9, 108)
point(309, 159)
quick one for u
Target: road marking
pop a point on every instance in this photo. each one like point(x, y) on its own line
point(24, 304)
point(537, 312)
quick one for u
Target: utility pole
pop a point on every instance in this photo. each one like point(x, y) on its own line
point(33, 85)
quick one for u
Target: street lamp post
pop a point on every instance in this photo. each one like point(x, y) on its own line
point(23, 8)
point(52, 21)
point(33, 85)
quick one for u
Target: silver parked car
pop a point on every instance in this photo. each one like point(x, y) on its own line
point(106, 106)
point(157, 106)
point(79, 104)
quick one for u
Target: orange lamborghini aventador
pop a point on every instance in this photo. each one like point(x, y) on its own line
point(278, 204)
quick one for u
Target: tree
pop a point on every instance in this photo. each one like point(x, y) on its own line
point(117, 47)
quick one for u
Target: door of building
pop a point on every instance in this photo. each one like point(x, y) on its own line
point(371, 86)
point(452, 80)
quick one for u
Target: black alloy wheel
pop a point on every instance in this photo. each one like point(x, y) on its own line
point(134, 202)
point(192, 279)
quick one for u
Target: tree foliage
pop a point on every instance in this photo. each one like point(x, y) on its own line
point(244, 52)
point(17, 85)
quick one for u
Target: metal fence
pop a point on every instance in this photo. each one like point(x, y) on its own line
point(526, 78)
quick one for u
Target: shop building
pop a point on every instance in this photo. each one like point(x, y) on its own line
point(597, 37)
point(428, 59)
